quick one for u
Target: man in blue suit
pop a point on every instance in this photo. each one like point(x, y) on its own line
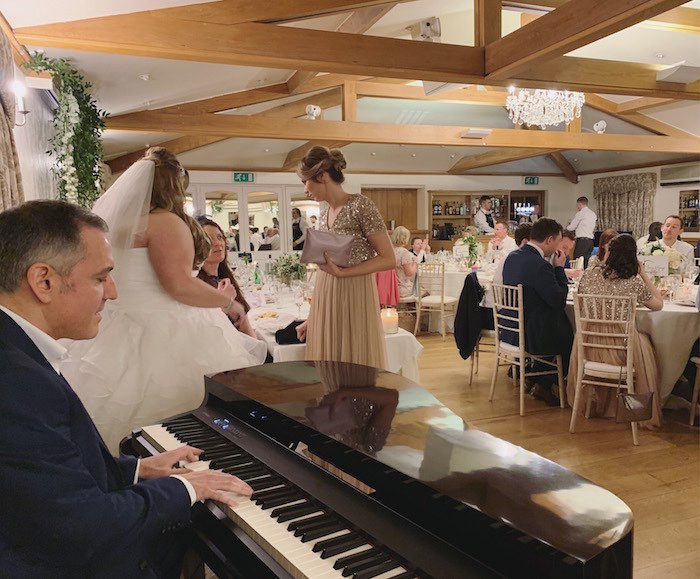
point(545, 287)
point(67, 507)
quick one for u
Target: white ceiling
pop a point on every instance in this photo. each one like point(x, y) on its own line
point(118, 89)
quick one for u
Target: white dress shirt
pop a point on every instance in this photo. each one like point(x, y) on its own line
point(506, 244)
point(480, 221)
point(55, 353)
point(686, 250)
point(583, 223)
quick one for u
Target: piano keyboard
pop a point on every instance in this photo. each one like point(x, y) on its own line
point(304, 536)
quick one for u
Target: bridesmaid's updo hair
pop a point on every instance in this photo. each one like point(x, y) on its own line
point(169, 183)
point(321, 159)
point(622, 258)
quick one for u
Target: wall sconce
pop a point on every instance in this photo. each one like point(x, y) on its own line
point(20, 91)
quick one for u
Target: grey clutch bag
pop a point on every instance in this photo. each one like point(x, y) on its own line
point(337, 245)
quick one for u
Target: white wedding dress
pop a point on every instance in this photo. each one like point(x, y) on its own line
point(149, 358)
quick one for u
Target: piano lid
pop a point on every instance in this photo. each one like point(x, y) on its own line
point(404, 426)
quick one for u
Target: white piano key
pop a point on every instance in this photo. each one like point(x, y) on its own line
point(392, 573)
point(159, 437)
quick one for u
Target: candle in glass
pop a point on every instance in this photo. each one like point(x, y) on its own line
point(390, 320)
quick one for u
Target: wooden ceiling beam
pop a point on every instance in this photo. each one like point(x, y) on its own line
point(252, 44)
point(563, 163)
point(357, 22)
point(297, 154)
point(276, 128)
point(681, 19)
point(468, 95)
point(470, 162)
point(640, 104)
point(568, 27)
point(604, 76)
point(487, 21)
point(638, 119)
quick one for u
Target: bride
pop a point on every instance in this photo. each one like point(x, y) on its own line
point(167, 328)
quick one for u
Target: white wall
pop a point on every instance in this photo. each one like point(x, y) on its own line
point(32, 140)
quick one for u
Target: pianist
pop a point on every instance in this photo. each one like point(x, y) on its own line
point(67, 507)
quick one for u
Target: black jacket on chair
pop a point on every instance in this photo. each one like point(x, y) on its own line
point(547, 328)
point(468, 317)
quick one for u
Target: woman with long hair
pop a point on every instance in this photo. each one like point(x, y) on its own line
point(167, 328)
point(216, 268)
point(605, 238)
point(344, 323)
point(621, 274)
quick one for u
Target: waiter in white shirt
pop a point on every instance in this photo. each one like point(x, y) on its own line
point(484, 218)
point(583, 224)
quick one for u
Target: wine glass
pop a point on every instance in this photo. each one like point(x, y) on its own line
point(299, 298)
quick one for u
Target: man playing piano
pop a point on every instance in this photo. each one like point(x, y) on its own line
point(68, 508)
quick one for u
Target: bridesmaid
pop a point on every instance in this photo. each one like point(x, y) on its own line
point(344, 323)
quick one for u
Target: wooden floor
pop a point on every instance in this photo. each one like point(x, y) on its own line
point(659, 479)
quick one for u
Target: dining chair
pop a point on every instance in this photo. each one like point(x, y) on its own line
point(509, 315)
point(430, 294)
point(481, 347)
point(604, 325)
point(696, 390)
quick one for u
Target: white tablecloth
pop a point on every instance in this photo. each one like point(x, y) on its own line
point(673, 332)
point(402, 348)
point(454, 282)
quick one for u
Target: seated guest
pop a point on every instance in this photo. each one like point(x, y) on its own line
point(545, 288)
point(670, 232)
point(215, 271)
point(605, 238)
point(522, 238)
point(500, 242)
point(621, 274)
point(420, 248)
point(273, 239)
point(406, 262)
point(69, 509)
point(654, 235)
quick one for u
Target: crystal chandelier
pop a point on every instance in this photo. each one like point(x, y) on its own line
point(543, 107)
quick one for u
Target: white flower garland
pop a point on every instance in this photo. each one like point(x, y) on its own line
point(68, 116)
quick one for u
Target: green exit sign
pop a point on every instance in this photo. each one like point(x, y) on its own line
point(530, 180)
point(243, 177)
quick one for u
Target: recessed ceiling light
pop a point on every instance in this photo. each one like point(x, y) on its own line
point(145, 77)
point(452, 156)
point(373, 154)
point(659, 55)
point(575, 160)
point(266, 150)
point(413, 154)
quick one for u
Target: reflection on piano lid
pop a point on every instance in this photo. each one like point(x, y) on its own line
point(479, 497)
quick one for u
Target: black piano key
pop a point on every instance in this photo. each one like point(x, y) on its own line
point(323, 531)
point(254, 476)
point(338, 545)
point(265, 483)
point(284, 514)
point(239, 471)
point(232, 461)
point(365, 565)
point(377, 570)
point(271, 494)
point(281, 501)
point(352, 559)
point(181, 420)
point(406, 575)
point(294, 525)
point(222, 453)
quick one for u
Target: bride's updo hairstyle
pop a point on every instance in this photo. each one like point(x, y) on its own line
point(169, 183)
point(319, 160)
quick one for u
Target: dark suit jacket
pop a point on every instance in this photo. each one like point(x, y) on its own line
point(67, 507)
point(468, 321)
point(547, 329)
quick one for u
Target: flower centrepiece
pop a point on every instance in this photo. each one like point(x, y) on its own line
point(288, 267)
point(473, 244)
point(675, 259)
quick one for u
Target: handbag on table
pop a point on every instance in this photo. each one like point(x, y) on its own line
point(337, 245)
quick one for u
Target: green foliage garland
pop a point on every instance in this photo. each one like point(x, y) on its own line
point(78, 125)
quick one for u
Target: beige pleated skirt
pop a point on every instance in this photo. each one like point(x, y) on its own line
point(344, 323)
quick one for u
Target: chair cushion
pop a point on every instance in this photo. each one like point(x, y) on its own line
point(602, 368)
point(433, 300)
point(510, 348)
point(408, 300)
point(488, 334)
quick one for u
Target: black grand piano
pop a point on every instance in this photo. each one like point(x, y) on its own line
point(362, 473)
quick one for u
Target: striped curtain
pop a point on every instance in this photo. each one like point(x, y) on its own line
point(11, 193)
point(625, 202)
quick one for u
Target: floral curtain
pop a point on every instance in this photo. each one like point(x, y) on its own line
point(625, 202)
point(11, 193)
